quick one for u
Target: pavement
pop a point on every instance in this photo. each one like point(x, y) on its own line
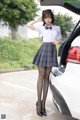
point(18, 98)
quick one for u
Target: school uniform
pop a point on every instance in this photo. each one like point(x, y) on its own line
point(46, 56)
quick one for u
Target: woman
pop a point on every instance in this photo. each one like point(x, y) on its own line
point(46, 57)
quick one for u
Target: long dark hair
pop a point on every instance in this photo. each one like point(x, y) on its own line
point(47, 13)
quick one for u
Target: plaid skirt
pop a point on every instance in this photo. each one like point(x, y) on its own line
point(46, 55)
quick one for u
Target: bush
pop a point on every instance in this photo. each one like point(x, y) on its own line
point(18, 54)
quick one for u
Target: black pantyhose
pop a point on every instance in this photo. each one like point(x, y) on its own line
point(42, 86)
point(40, 82)
point(43, 82)
point(46, 83)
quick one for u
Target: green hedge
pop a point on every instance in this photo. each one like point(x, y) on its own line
point(18, 54)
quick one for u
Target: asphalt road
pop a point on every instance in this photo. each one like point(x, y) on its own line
point(18, 98)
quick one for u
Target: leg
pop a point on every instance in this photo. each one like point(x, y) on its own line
point(40, 82)
point(41, 75)
point(45, 88)
point(46, 83)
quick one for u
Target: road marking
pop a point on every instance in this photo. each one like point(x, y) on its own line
point(18, 86)
point(22, 87)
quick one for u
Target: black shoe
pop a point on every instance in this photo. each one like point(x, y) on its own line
point(38, 109)
point(44, 113)
point(43, 109)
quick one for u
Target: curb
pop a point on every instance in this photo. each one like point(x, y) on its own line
point(14, 70)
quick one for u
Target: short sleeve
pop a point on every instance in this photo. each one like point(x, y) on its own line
point(59, 36)
point(38, 28)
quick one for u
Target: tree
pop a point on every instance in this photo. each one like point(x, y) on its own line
point(17, 12)
point(65, 22)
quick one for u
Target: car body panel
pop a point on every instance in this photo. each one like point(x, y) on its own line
point(69, 86)
point(67, 83)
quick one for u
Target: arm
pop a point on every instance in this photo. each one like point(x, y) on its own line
point(31, 26)
point(59, 36)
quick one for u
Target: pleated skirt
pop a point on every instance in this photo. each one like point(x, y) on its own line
point(46, 56)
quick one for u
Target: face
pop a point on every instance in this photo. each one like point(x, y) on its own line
point(48, 20)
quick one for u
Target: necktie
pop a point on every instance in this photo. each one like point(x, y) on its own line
point(47, 27)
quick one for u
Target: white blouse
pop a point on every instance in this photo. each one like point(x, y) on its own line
point(48, 34)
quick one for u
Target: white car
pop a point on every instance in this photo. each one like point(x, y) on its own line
point(65, 80)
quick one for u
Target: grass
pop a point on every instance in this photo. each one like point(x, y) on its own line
point(18, 54)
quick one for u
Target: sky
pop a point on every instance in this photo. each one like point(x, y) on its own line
point(56, 10)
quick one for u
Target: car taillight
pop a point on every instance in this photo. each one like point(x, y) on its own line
point(74, 55)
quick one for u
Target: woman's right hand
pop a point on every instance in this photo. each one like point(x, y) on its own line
point(31, 24)
point(39, 19)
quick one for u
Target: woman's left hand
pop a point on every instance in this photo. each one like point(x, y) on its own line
point(55, 42)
